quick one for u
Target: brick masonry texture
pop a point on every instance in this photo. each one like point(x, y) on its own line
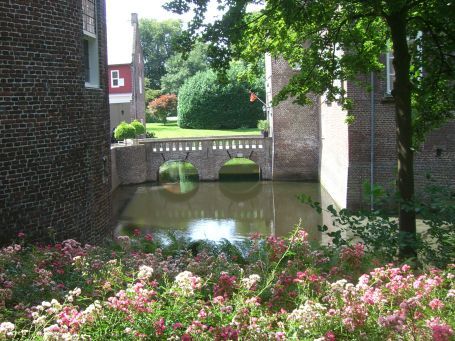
point(295, 132)
point(54, 132)
point(314, 138)
point(429, 168)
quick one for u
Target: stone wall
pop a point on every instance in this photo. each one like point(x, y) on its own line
point(54, 132)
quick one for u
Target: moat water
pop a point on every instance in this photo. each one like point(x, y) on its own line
point(232, 208)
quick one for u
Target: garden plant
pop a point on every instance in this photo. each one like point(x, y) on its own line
point(270, 288)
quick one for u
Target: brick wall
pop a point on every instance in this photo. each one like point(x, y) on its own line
point(426, 162)
point(54, 132)
point(295, 130)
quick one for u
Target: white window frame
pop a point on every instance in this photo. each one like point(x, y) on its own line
point(93, 80)
point(390, 72)
point(115, 78)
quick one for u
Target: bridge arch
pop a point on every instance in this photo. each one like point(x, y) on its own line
point(240, 168)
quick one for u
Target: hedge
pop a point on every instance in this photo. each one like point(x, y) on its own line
point(205, 103)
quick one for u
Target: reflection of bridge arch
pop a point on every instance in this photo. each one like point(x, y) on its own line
point(208, 155)
point(185, 162)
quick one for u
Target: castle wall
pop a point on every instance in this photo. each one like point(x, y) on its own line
point(54, 132)
point(295, 129)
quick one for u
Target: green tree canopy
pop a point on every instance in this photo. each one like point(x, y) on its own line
point(338, 39)
point(158, 40)
point(207, 102)
point(179, 68)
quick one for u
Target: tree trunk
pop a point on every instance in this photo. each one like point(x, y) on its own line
point(403, 115)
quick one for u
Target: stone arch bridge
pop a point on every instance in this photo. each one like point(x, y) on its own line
point(141, 162)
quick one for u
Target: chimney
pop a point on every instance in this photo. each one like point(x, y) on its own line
point(134, 20)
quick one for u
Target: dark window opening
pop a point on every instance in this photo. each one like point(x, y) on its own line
point(85, 47)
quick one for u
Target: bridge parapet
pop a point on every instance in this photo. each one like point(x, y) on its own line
point(199, 144)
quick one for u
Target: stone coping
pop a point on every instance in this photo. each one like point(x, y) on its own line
point(213, 138)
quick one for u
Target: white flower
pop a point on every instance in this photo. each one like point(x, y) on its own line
point(308, 314)
point(145, 272)
point(188, 282)
point(7, 328)
point(250, 281)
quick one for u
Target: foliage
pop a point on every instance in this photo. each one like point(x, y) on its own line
point(150, 94)
point(266, 288)
point(179, 68)
point(206, 102)
point(163, 106)
point(150, 134)
point(158, 44)
point(338, 40)
point(124, 131)
point(435, 242)
point(263, 125)
point(139, 128)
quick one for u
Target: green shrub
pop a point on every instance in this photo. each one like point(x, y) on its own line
point(124, 131)
point(263, 125)
point(138, 127)
point(206, 103)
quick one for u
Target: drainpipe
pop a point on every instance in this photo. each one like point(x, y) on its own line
point(372, 141)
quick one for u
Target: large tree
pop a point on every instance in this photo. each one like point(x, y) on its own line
point(340, 39)
point(180, 68)
point(158, 39)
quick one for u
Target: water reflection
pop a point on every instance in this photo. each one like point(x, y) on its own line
point(216, 210)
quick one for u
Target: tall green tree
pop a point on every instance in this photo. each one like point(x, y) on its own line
point(338, 40)
point(158, 39)
point(180, 68)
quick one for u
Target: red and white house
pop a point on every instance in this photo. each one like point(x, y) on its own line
point(126, 74)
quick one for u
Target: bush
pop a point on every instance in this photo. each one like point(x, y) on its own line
point(138, 127)
point(124, 131)
point(149, 134)
point(263, 125)
point(206, 103)
point(163, 106)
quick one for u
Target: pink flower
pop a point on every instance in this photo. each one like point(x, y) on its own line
point(329, 336)
point(202, 314)
point(441, 331)
point(21, 235)
point(436, 304)
point(137, 232)
point(280, 336)
point(160, 326)
point(148, 237)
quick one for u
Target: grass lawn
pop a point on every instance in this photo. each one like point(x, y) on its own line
point(171, 130)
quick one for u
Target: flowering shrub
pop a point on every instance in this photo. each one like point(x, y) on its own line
point(277, 289)
point(163, 106)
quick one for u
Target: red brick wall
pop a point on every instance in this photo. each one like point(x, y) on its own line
point(54, 132)
point(125, 73)
point(441, 168)
point(295, 132)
